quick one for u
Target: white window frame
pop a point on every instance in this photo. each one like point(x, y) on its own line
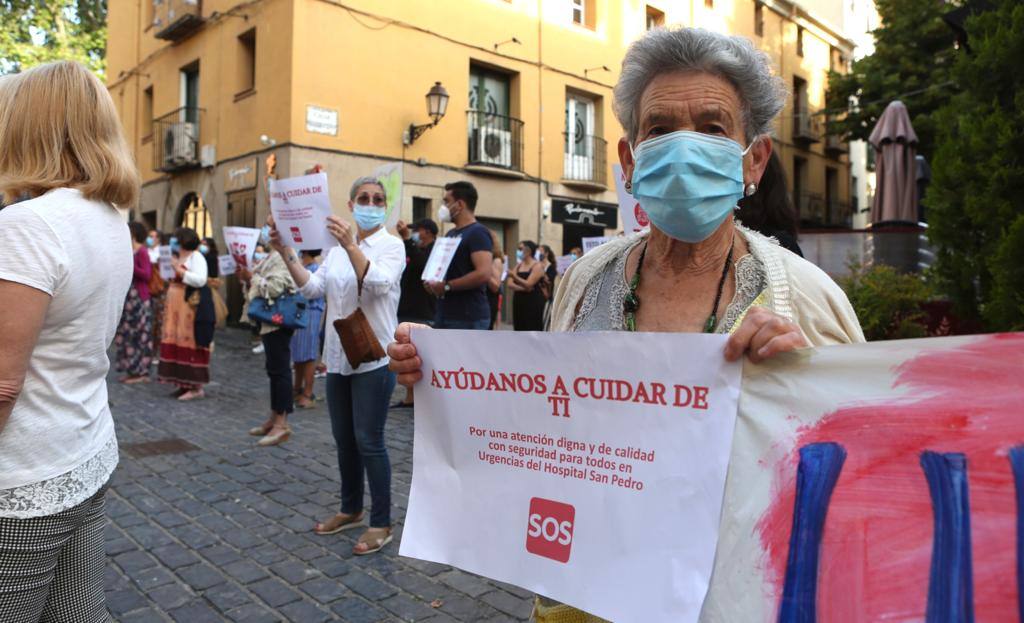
point(579, 166)
point(578, 7)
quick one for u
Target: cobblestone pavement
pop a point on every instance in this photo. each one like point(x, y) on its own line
point(222, 532)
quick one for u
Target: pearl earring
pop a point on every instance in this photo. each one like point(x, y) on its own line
point(750, 190)
point(629, 186)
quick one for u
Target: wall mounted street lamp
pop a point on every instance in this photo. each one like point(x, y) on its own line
point(437, 105)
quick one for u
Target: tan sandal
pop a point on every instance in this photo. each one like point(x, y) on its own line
point(275, 438)
point(262, 430)
point(339, 522)
point(373, 540)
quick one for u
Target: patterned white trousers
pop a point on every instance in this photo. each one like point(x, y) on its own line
point(52, 567)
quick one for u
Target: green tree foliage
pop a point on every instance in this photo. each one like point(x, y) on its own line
point(39, 31)
point(976, 199)
point(888, 303)
point(911, 62)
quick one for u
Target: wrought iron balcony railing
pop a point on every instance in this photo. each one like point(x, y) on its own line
point(586, 159)
point(174, 20)
point(495, 141)
point(176, 140)
point(807, 126)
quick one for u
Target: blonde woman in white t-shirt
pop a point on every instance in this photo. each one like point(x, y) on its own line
point(66, 260)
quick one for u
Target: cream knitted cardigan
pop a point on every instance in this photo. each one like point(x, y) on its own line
point(797, 289)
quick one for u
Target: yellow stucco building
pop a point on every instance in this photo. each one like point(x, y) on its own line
point(207, 88)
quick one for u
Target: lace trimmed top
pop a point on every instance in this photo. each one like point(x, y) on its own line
point(53, 495)
point(601, 308)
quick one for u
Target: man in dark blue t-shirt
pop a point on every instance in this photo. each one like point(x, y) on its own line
point(462, 296)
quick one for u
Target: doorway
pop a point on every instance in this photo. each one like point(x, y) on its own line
point(573, 235)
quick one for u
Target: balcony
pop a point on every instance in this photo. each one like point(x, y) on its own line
point(173, 20)
point(835, 146)
point(585, 161)
point(807, 126)
point(176, 140)
point(817, 212)
point(495, 143)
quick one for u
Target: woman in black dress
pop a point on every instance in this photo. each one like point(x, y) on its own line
point(525, 281)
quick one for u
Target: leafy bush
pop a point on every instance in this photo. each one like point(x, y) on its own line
point(888, 303)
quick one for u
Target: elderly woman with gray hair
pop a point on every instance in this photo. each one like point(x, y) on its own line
point(365, 273)
point(697, 107)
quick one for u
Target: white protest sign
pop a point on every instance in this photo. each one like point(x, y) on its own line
point(440, 259)
point(563, 263)
point(300, 206)
point(164, 263)
point(633, 216)
point(227, 265)
point(390, 175)
point(595, 479)
point(589, 244)
point(241, 244)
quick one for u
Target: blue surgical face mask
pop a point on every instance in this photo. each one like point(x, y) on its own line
point(573, 256)
point(265, 234)
point(204, 249)
point(175, 247)
point(688, 182)
point(258, 257)
point(149, 241)
point(369, 217)
point(519, 255)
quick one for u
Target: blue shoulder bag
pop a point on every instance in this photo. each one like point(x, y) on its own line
point(288, 311)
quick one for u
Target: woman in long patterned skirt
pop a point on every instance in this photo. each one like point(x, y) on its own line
point(133, 339)
point(185, 344)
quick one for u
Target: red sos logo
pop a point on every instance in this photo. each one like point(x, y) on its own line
point(549, 529)
point(296, 234)
point(641, 217)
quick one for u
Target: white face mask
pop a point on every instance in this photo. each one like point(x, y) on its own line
point(444, 214)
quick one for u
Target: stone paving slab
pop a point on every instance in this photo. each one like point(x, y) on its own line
point(223, 532)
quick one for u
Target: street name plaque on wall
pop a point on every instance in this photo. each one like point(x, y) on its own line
point(321, 120)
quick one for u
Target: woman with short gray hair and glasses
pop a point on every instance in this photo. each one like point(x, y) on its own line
point(698, 108)
point(364, 272)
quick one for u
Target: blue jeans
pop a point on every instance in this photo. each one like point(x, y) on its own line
point(358, 406)
point(478, 325)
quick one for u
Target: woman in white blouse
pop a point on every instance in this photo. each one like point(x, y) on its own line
point(365, 272)
point(189, 320)
point(65, 268)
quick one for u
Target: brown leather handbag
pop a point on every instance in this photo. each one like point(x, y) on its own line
point(357, 337)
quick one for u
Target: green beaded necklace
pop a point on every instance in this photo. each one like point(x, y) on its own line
point(631, 303)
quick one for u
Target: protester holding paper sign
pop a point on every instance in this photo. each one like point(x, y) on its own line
point(462, 298)
point(189, 320)
point(361, 281)
point(698, 108)
point(270, 280)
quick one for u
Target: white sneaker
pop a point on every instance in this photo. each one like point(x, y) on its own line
point(258, 349)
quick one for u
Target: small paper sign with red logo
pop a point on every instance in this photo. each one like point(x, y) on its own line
point(588, 467)
point(300, 206)
point(241, 245)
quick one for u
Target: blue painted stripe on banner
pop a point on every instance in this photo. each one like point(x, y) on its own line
point(820, 465)
point(951, 586)
point(1017, 464)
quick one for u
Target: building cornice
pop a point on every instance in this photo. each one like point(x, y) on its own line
point(796, 13)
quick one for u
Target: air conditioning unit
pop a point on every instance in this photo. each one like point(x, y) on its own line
point(494, 146)
point(180, 143)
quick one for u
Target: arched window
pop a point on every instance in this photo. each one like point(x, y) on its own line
point(193, 214)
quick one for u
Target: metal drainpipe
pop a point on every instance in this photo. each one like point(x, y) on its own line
point(540, 121)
